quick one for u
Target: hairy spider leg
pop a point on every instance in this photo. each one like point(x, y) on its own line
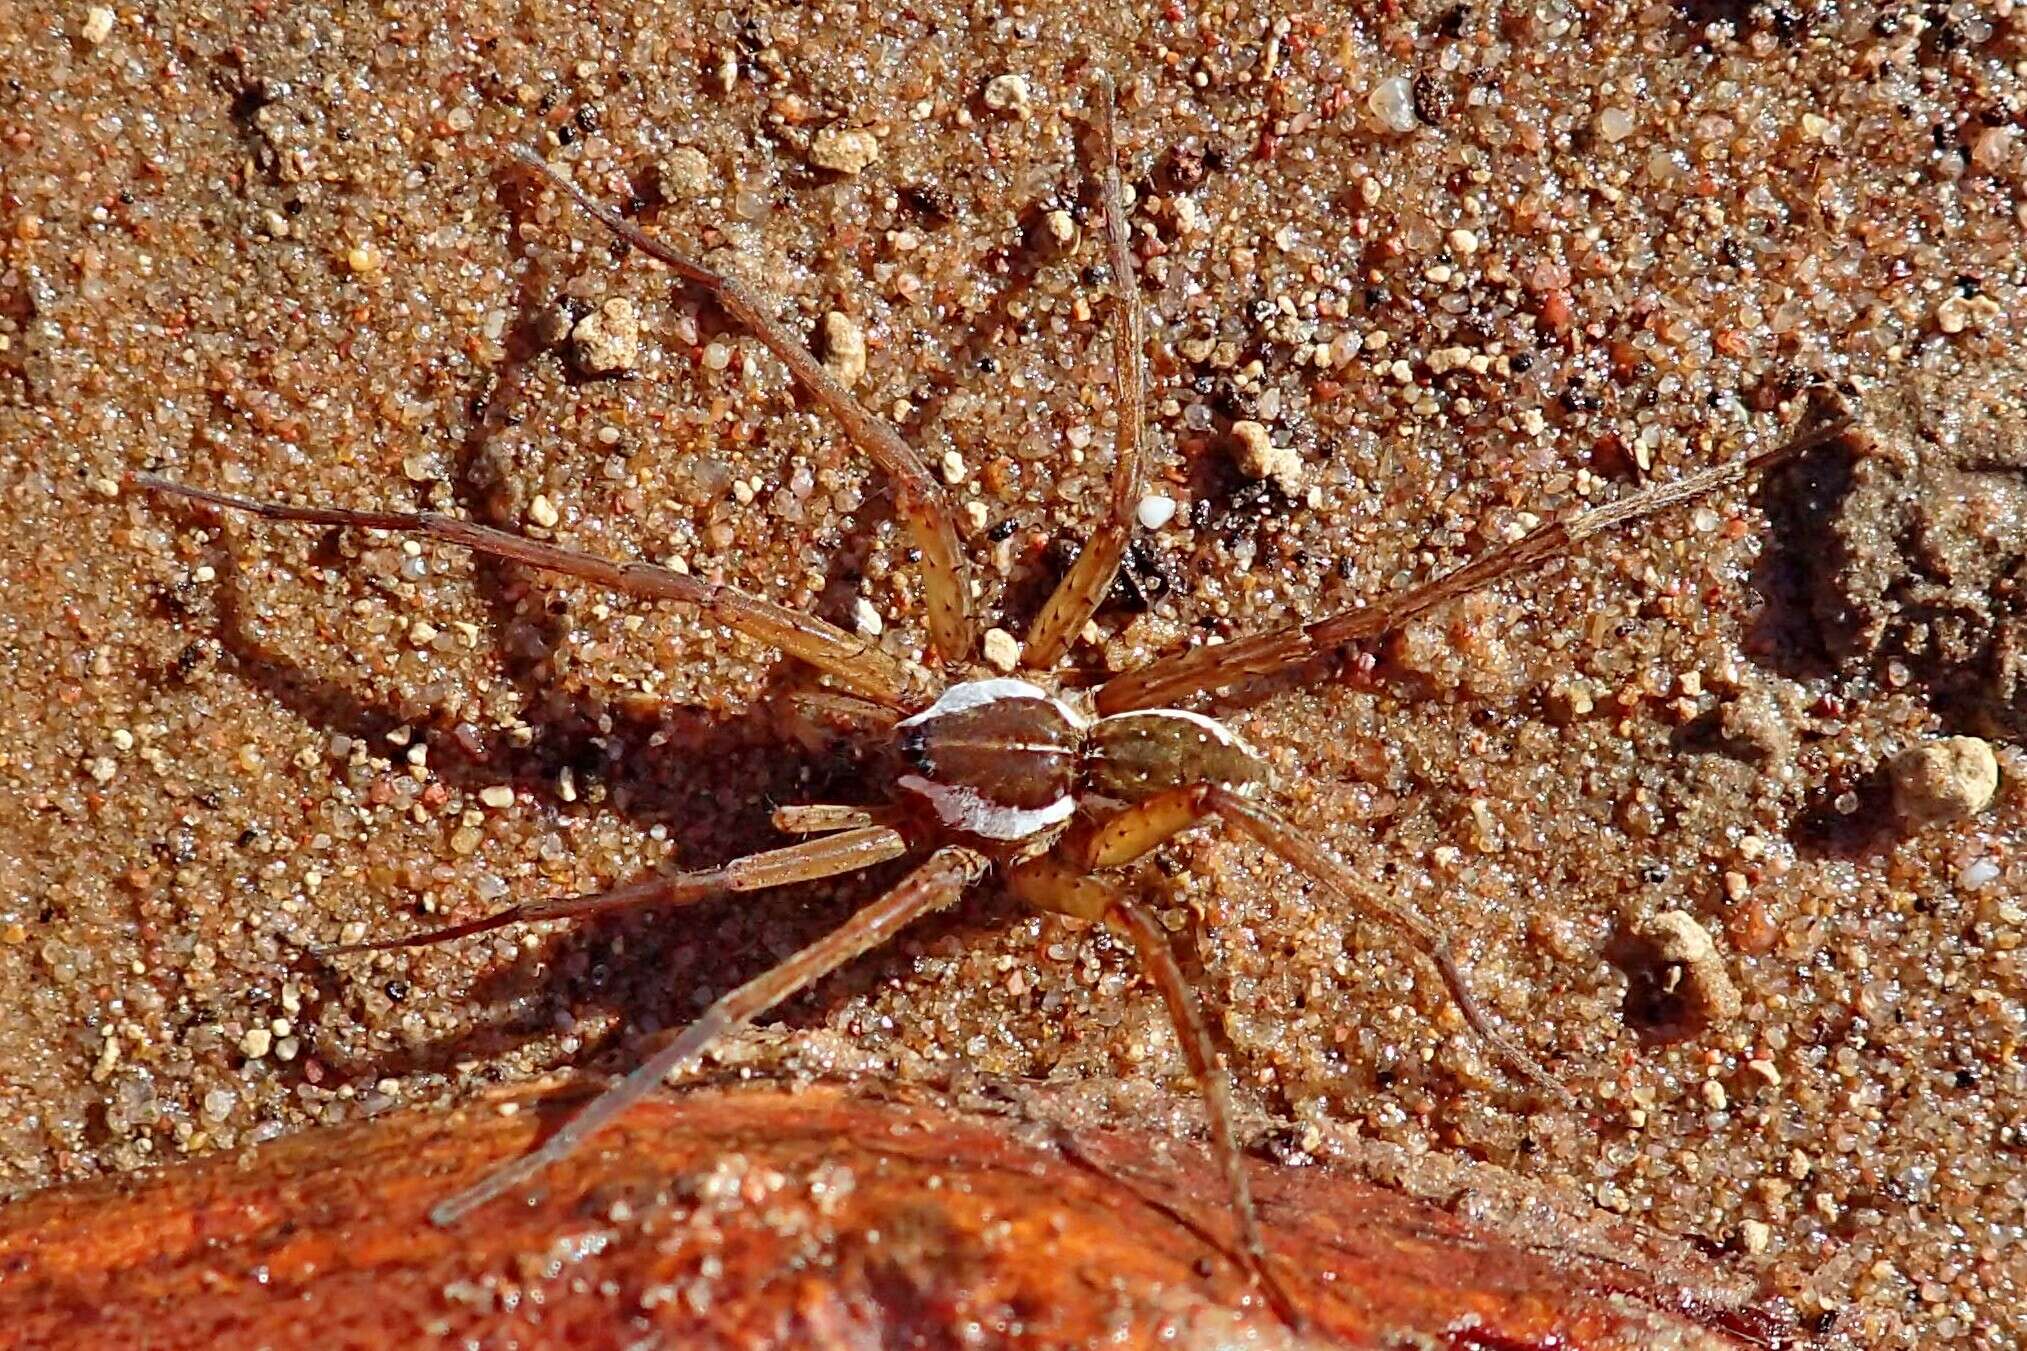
point(1163, 683)
point(1149, 823)
point(808, 861)
point(1058, 882)
point(1077, 597)
point(922, 502)
point(849, 660)
point(937, 883)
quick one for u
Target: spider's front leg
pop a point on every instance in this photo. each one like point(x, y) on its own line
point(1077, 596)
point(920, 500)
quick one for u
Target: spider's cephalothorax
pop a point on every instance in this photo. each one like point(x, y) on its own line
point(997, 773)
point(1006, 761)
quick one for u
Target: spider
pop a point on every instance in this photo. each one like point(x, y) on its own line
point(1052, 789)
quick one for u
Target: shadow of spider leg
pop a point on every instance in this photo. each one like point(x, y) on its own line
point(851, 661)
point(936, 884)
point(1077, 596)
point(1162, 683)
point(920, 499)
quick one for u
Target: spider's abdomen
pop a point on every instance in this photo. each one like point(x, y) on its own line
point(994, 758)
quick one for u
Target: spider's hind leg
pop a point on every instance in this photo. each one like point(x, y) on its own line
point(1055, 882)
point(931, 887)
point(1150, 822)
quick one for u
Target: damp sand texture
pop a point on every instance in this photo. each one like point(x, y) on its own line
point(1456, 269)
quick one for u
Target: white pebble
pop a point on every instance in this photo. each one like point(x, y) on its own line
point(543, 512)
point(98, 25)
point(844, 348)
point(1155, 511)
point(866, 619)
point(1978, 874)
point(497, 795)
point(1008, 94)
point(1392, 101)
point(1002, 650)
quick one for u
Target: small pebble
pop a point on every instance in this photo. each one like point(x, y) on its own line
point(1949, 779)
point(607, 340)
point(1002, 650)
point(1008, 94)
point(1154, 511)
point(844, 150)
point(866, 619)
point(98, 25)
point(1680, 941)
point(543, 512)
point(1754, 1235)
point(497, 795)
point(363, 259)
point(257, 1042)
point(1392, 102)
point(1258, 457)
point(686, 172)
point(844, 348)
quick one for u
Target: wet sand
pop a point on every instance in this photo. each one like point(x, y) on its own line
point(1475, 269)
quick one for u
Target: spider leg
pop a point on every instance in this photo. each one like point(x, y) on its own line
point(851, 661)
point(1163, 683)
point(931, 887)
point(831, 856)
point(818, 818)
point(920, 499)
point(1055, 883)
point(1147, 824)
point(1077, 596)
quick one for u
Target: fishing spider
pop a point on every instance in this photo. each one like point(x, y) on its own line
point(995, 773)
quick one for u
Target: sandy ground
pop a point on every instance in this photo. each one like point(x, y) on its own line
point(1475, 265)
